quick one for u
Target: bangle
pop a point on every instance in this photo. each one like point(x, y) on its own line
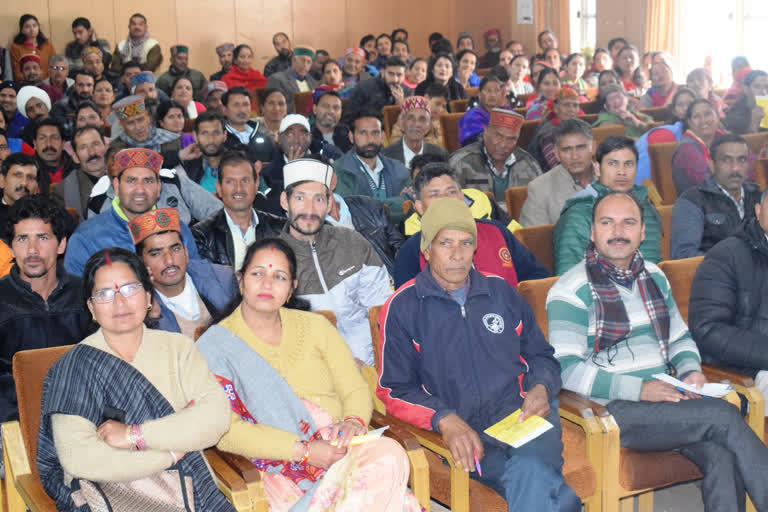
point(138, 437)
point(129, 437)
point(305, 457)
point(355, 418)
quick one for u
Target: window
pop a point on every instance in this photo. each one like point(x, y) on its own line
point(583, 24)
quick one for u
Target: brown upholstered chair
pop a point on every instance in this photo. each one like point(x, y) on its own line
point(538, 240)
point(591, 93)
point(761, 173)
point(301, 100)
point(588, 118)
point(189, 126)
point(527, 129)
point(515, 198)
point(660, 156)
point(450, 125)
point(653, 194)
point(582, 453)
point(600, 133)
point(525, 97)
point(471, 91)
point(756, 141)
point(665, 212)
point(22, 481)
point(390, 114)
point(590, 107)
point(656, 113)
point(457, 106)
point(255, 103)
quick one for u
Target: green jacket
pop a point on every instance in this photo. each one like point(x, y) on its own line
point(572, 230)
point(605, 118)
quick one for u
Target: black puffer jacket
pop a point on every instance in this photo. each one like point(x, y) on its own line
point(371, 219)
point(28, 322)
point(728, 309)
point(214, 240)
point(259, 145)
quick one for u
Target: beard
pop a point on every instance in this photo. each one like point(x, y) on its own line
point(216, 152)
point(306, 232)
point(368, 151)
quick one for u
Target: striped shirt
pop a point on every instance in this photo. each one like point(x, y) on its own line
point(571, 317)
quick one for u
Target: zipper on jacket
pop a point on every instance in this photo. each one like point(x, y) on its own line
point(463, 312)
point(317, 267)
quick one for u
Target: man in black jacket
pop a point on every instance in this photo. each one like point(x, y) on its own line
point(386, 89)
point(224, 236)
point(210, 137)
point(728, 307)
point(42, 305)
point(329, 136)
point(241, 130)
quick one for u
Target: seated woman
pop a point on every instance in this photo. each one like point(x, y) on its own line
point(466, 61)
point(241, 73)
point(441, 73)
point(182, 93)
point(663, 89)
point(103, 96)
point(490, 96)
point(330, 81)
point(546, 87)
point(700, 82)
point(690, 161)
point(30, 39)
point(572, 75)
point(171, 116)
point(616, 110)
point(564, 106)
point(518, 69)
point(601, 60)
point(417, 73)
point(129, 407)
point(274, 107)
point(626, 63)
point(745, 115)
point(670, 132)
point(298, 398)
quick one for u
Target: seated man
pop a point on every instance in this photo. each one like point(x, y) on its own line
point(202, 166)
point(415, 123)
point(180, 68)
point(64, 109)
point(74, 191)
point(330, 137)
point(498, 251)
point(188, 293)
point(138, 46)
point(476, 328)
point(728, 305)
point(42, 305)
point(479, 203)
point(136, 129)
point(224, 236)
point(363, 170)
point(617, 161)
point(437, 98)
point(297, 77)
point(352, 67)
point(293, 142)
point(20, 175)
point(614, 324)
point(713, 210)
point(386, 89)
point(48, 141)
point(547, 193)
point(241, 130)
point(137, 187)
point(494, 162)
point(225, 53)
point(33, 102)
point(337, 268)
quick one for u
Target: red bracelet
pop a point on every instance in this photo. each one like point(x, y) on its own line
point(355, 418)
point(306, 453)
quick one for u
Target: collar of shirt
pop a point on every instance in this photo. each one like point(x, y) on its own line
point(244, 136)
point(297, 77)
point(234, 228)
point(376, 171)
point(408, 154)
point(184, 304)
point(345, 216)
point(508, 163)
point(739, 204)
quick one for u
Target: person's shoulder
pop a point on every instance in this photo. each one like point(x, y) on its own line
point(467, 151)
point(581, 201)
point(572, 282)
point(545, 180)
point(173, 342)
point(523, 155)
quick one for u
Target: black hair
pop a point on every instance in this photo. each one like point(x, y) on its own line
point(208, 116)
point(165, 107)
point(499, 72)
point(86, 104)
point(419, 161)
point(441, 46)
point(490, 78)
point(620, 194)
point(515, 57)
point(463, 36)
point(692, 106)
point(39, 207)
point(138, 15)
point(364, 40)
point(514, 41)
point(549, 50)
point(435, 90)
point(433, 37)
point(280, 34)
point(46, 121)
point(382, 36)
point(543, 73)
point(431, 68)
point(140, 246)
point(598, 51)
point(365, 111)
point(429, 172)
point(335, 94)
point(462, 53)
point(414, 61)
point(623, 49)
point(234, 157)
point(82, 130)
point(322, 52)
point(79, 72)
point(81, 22)
point(269, 91)
point(394, 60)
point(572, 56)
point(21, 38)
point(611, 72)
point(239, 48)
point(401, 41)
point(235, 90)
point(573, 126)
point(739, 61)
point(753, 75)
point(681, 90)
point(726, 138)
point(112, 255)
point(132, 64)
point(19, 159)
point(615, 143)
point(395, 31)
point(617, 40)
point(177, 80)
point(542, 33)
point(327, 63)
point(103, 79)
point(4, 134)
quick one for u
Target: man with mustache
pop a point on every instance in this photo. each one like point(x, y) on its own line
point(42, 305)
point(713, 210)
point(74, 191)
point(293, 142)
point(202, 163)
point(64, 109)
point(330, 137)
point(20, 176)
point(363, 170)
point(284, 55)
point(240, 128)
point(617, 165)
point(614, 324)
point(338, 269)
point(188, 293)
point(48, 140)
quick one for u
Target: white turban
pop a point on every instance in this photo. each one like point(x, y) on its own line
point(28, 92)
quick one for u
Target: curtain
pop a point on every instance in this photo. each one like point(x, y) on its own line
point(660, 23)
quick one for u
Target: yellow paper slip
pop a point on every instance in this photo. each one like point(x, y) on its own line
point(517, 434)
point(364, 438)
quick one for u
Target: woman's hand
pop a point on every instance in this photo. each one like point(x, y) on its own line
point(344, 431)
point(322, 453)
point(115, 434)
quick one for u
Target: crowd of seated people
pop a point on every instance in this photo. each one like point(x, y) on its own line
point(144, 207)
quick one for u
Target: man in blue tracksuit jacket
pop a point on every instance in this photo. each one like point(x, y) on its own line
point(461, 351)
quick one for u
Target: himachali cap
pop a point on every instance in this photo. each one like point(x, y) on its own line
point(27, 58)
point(138, 157)
point(506, 119)
point(88, 50)
point(357, 51)
point(226, 47)
point(145, 77)
point(292, 119)
point(215, 85)
point(129, 106)
point(179, 48)
point(564, 93)
point(303, 49)
point(153, 222)
point(306, 169)
point(412, 102)
point(491, 32)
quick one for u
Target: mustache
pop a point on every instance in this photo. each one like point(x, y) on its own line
point(94, 157)
point(169, 268)
point(21, 188)
point(309, 217)
point(48, 149)
point(618, 239)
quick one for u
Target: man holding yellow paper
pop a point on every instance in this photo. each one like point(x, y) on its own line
point(461, 351)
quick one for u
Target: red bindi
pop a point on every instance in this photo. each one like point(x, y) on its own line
point(116, 287)
point(106, 257)
point(270, 265)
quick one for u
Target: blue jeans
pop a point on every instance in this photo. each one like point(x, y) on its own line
point(530, 477)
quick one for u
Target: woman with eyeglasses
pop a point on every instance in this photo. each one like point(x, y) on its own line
point(127, 411)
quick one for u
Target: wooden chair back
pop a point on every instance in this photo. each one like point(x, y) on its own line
point(756, 141)
point(590, 107)
point(390, 113)
point(588, 118)
point(680, 276)
point(761, 173)
point(456, 106)
point(450, 125)
point(471, 91)
point(515, 197)
point(665, 212)
point(535, 294)
point(600, 133)
point(660, 157)
point(301, 101)
point(256, 103)
point(525, 97)
point(538, 240)
point(657, 113)
point(527, 129)
point(189, 126)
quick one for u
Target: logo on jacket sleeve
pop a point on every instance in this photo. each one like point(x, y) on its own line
point(505, 257)
point(494, 323)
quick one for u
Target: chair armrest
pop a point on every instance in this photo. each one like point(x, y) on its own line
point(226, 474)
point(31, 489)
point(397, 430)
point(242, 466)
point(241, 485)
point(574, 403)
point(717, 374)
point(23, 489)
point(744, 386)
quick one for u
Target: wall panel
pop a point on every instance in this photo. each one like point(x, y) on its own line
point(195, 30)
point(161, 22)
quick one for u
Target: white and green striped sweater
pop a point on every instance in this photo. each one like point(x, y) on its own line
point(571, 317)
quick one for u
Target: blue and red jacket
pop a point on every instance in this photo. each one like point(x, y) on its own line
point(476, 360)
point(498, 253)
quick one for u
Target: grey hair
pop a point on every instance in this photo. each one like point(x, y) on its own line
point(57, 58)
point(573, 126)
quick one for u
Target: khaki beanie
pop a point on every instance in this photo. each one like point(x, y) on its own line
point(446, 213)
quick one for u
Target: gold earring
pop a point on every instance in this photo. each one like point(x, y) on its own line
point(149, 307)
